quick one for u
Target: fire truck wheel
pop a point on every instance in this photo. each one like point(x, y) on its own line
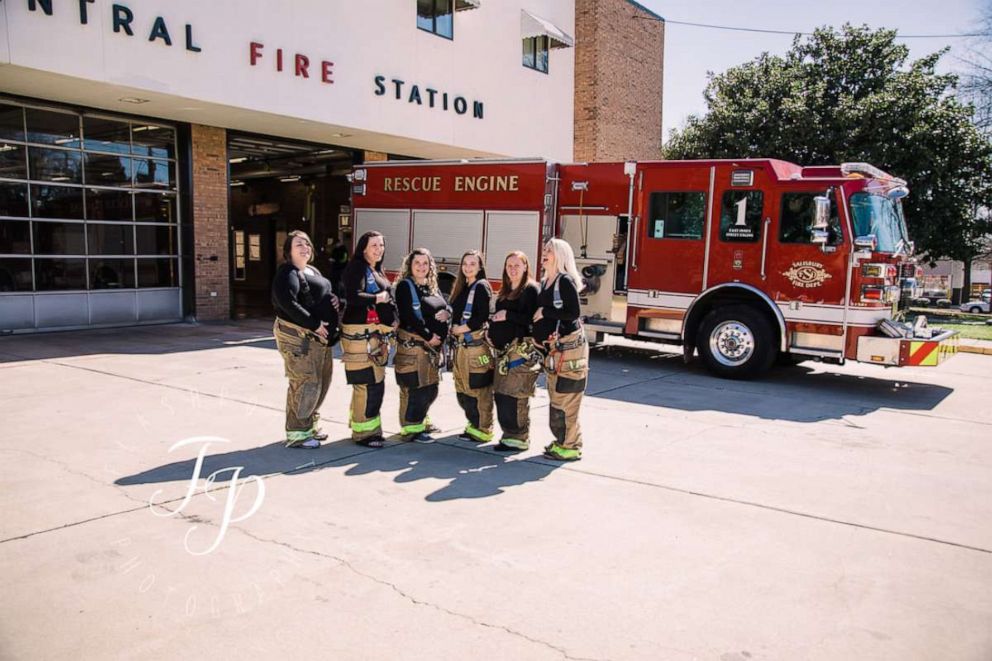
point(736, 342)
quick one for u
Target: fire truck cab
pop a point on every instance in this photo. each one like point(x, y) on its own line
point(740, 261)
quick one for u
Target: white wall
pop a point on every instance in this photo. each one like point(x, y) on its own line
point(527, 113)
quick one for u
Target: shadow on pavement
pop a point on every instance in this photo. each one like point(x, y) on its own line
point(470, 472)
point(799, 393)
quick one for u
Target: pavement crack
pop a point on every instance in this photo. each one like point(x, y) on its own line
point(68, 469)
point(414, 600)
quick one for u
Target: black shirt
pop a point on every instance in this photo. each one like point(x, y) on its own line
point(480, 305)
point(567, 315)
point(360, 301)
point(430, 305)
point(294, 304)
point(519, 317)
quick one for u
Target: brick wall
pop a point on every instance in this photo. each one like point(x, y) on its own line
point(619, 63)
point(210, 235)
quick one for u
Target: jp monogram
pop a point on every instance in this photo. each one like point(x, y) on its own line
point(234, 488)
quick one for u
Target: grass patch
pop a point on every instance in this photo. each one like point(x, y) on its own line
point(970, 326)
point(970, 331)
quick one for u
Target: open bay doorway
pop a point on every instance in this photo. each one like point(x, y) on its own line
point(277, 186)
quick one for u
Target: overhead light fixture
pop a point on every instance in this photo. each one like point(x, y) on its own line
point(236, 182)
point(60, 178)
point(132, 99)
point(145, 128)
point(239, 159)
point(62, 141)
point(294, 177)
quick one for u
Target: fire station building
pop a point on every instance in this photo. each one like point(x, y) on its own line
point(154, 154)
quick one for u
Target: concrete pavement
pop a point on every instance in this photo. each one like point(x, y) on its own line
point(821, 513)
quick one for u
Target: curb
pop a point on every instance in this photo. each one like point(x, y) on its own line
point(968, 348)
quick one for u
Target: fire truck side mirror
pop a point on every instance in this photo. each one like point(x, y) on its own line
point(821, 220)
point(866, 243)
point(819, 237)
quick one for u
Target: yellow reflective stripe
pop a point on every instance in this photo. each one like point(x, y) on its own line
point(563, 452)
point(478, 433)
point(413, 429)
point(293, 436)
point(364, 426)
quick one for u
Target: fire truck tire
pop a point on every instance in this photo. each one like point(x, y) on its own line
point(736, 342)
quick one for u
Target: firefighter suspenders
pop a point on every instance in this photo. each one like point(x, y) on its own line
point(560, 347)
point(418, 312)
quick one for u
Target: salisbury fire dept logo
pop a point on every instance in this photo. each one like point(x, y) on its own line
point(806, 274)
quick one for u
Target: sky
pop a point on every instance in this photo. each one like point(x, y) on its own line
point(691, 51)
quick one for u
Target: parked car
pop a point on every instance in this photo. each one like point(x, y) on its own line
point(976, 306)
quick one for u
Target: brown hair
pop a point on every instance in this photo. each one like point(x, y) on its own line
point(460, 282)
point(363, 243)
point(407, 267)
point(287, 246)
point(506, 291)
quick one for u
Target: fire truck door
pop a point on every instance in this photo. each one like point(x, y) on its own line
point(740, 232)
point(798, 269)
point(668, 246)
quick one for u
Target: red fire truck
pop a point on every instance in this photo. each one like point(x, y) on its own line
point(741, 261)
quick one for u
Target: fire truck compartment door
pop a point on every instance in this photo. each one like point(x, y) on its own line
point(669, 246)
point(511, 230)
point(447, 234)
point(395, 227)
point(595, 232)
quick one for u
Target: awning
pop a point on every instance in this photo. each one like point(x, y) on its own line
point(535, 26)
point(467, 4)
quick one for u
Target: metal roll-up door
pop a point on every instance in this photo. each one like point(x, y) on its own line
point(447, 234)
point(511, 230)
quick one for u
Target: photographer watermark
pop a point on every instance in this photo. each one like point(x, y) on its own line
point(235, 485)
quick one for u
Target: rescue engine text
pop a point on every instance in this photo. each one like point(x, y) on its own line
point(462, 184)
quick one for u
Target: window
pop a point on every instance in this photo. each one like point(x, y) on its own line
point(436, 16)
point(86, 202)
point(796, 220)
point(677, 215)
point(740, 216)
point(880, 217)
point(536, 53)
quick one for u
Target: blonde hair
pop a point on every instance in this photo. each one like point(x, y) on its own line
point(564, 262)
point(406, 269)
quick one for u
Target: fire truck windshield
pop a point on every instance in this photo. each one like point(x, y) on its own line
point(882, 217)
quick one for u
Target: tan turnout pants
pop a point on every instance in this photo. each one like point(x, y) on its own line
point(513, 387)
point(365, 371)
point(417, 375)
point(473, 370)
point(309, 363)
point(567, 371)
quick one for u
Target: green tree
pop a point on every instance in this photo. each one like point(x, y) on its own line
point(851, 95)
